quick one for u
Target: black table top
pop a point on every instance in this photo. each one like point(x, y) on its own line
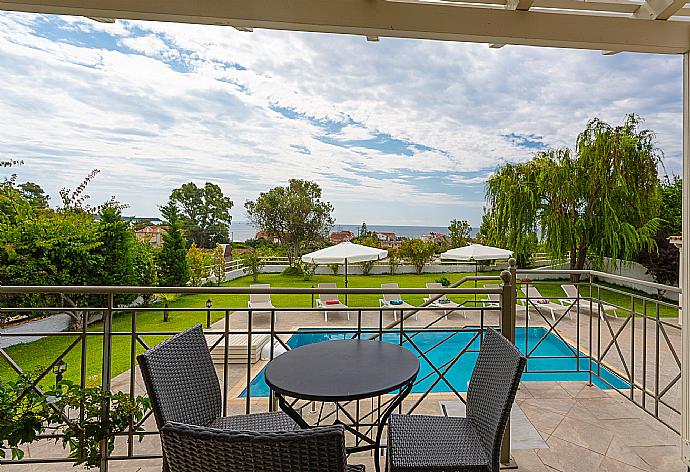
point(341, 370)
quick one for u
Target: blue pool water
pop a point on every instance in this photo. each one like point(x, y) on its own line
point(538, 369)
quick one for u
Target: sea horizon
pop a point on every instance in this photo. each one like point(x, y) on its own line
point(243, 230)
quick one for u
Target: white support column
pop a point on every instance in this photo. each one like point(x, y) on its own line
point(685, 261)
point(678, 242)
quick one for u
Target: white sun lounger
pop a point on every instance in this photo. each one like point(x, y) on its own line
point(329, 301)
point(442, 303)
point(493, 300)
point(539, 302)
point(385, 302)
point(574, 299)
point(260, 302)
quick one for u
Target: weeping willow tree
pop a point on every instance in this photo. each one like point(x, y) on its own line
point(600, 201)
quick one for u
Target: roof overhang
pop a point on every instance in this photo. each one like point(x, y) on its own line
point(607, 25)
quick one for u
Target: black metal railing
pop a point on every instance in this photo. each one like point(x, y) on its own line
point(624, 333)
point(598, 342)
point(369, 322)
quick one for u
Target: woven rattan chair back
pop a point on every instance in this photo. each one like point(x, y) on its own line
point(199, 449)
point(492, 390)
point(181, 381)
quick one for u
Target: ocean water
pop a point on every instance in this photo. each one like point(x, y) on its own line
point(242, 231)
point(552, 360)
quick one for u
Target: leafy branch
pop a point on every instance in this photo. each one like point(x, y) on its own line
point(74, 412)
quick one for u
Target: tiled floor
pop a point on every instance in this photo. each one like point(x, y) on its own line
point(585, 428)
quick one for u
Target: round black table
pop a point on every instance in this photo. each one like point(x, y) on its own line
point(343, 371)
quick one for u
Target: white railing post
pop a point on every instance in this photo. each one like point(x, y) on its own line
point(685, 261)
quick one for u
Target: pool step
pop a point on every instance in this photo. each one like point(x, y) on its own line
point(237, 347)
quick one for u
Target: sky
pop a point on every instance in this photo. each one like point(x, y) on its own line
point(400, 132)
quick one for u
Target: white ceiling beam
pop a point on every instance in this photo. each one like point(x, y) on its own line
point(403, 19)
point(659, 9)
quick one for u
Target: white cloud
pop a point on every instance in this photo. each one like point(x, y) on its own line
point(157, 104)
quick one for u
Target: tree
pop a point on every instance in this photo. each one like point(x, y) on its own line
point(418, 252)
point(205, 213)
point(295, 215)
point(48, 248)
point(459, 232)
point(167, 299)
point(600, 201)
point(145, 270)
point(363, 231)
point(218, 264)
point(393, 260)
point(34, 194)
point(196, 261)
point(172, 259)
point(252, 264)
point(370, 240)
point(117, 248)
point(68, 246)
point(663, 262)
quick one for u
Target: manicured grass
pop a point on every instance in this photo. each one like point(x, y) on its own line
point(43, 352)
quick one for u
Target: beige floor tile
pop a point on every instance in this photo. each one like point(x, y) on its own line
point(561, 406)
point(568, 457)
point(528, 460)
point(662, 458)
point(546, 390)
point(545, 421)
point(619, 451)
point(610, 408)
point(612, 465)
point(641, 432)
point(584, 434)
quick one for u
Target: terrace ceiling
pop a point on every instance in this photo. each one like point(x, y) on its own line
point(654, 26)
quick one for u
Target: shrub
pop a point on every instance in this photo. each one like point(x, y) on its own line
point(366, 267)
point(443, 281)
point(308, 269)
point(292, 271)
point(334, 268)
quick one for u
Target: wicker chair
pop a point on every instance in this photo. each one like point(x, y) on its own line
point(183, 387)
point(199, 449)
point(451, 444)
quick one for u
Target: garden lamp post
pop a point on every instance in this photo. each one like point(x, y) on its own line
point(209, 305)
point(59, 369)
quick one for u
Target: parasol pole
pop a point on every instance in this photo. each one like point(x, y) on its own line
point(346, 279)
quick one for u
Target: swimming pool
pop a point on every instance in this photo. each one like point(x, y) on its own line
point(538, 369)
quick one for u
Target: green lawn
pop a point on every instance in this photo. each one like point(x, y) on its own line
point(44, 351)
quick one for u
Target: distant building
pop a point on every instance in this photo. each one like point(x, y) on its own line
point(338, 237)
point(264, 235)
point(152, 234)
point(388, 240)
point(385, 237)
point(436, 238)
